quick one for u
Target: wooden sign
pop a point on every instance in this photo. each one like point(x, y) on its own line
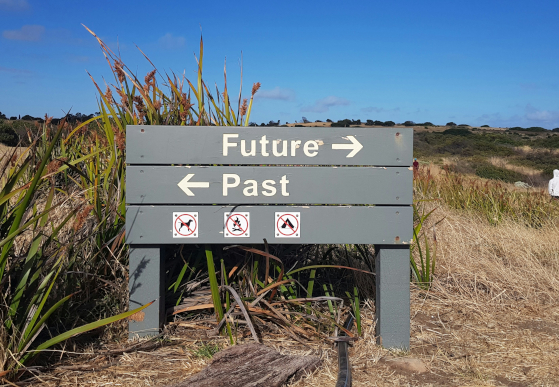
point(231, 185)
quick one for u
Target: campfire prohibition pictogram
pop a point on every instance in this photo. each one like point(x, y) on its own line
point(237, 225)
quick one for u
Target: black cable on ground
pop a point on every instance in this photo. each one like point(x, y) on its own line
point(344, 368)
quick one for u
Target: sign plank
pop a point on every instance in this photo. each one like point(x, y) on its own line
point(270, 146)
point(273, 185)
point(317, 224)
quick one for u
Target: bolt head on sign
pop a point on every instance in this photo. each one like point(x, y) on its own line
point(236, 225)
point(185, 225)
point(287, 225)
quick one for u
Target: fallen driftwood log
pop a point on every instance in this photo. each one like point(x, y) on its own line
point(251, 365)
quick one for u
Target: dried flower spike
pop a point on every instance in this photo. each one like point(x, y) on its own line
point(255, 87)
point(109, 95)
point(81, 217)
point(244, 107)
point(119, 71)
point(150, 77)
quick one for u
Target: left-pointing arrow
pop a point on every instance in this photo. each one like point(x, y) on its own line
point(185, 184)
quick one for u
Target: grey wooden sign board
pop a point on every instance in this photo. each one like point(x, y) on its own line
point(237, 185)
point(268, 185)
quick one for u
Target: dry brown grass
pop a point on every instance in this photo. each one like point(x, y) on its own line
point(5, 150)
point(503, 163)
point(491, 319)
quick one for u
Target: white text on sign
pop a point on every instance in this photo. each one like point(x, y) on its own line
point(232, 180)
point(279, 148)
point(283, 148)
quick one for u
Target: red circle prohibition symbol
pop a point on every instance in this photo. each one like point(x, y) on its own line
point(294, 230)
point(188, 224)
point(236, 232)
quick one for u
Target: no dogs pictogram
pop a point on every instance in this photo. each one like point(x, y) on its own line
point(237, 225)
point(185, 225)
point(288, 224)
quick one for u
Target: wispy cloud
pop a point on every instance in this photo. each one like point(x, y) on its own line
point(530, 86)
point(14, 5)
point(170, 42)
point(276, 93)
point(14, 71)
point(531, 116)
point(374, 109)
point(79, 58)
point(323, 105)
point(533, 86)
point(29, 33)
point(543, 116)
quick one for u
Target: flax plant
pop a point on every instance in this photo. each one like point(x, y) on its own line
point(422, 267)
point(35, 246)
point(185, 102)
point(62, 207)
point(157, 99)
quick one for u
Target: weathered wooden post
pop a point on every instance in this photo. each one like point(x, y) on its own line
point(319, 185)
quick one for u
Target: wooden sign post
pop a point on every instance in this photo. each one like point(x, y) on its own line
point(236, 185)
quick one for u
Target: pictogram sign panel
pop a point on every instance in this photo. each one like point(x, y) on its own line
point(237, 225)
point(288, 224)
point(185, 224)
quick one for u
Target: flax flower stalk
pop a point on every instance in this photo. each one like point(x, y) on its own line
point(255, 88)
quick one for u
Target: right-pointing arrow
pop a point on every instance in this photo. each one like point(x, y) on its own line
point(355, 146)
point(185, 184)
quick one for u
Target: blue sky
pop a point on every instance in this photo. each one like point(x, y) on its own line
point(472, 62)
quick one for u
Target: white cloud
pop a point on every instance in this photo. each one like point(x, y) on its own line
point(374, 109)
point(323, 105)
point(532, 116)
point(30, 33)
point(14, 5)
point(170, 42)
point(542, 116)
point(276, 93)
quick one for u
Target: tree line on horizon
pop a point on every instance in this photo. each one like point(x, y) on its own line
point(349, 122)
point(72, 118)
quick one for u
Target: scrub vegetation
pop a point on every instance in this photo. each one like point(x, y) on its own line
point(484, 259)
point(472, 152)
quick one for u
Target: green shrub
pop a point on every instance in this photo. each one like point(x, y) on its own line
point(530, 129)
point(458, 132)
point(8, 136)
point(489, 171)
